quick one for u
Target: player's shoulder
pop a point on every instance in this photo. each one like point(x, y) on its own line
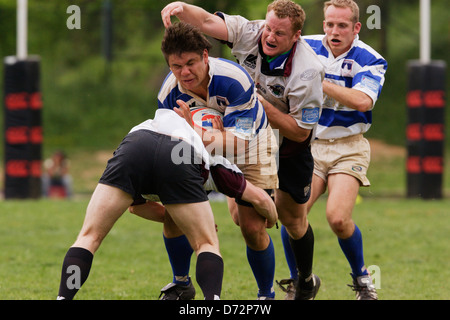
point(169, 84)
point(365, 54)
point(223, 69)
point(307, 57)
point(365, 46)
point(237, 20)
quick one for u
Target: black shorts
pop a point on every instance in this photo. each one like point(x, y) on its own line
point(295, 170)
point(143, 164)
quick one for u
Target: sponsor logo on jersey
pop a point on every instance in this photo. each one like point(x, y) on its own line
point(310, 115)
point(250, 61)
point(244, 125)
point(277, 90)
point(309, 74)
point(370, 83)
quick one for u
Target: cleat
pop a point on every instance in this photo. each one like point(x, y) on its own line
point(174, 291)
point(364, 288)
point(310, 293)
point(288, 286)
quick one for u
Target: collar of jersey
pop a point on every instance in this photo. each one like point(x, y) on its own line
point(330, 53)
point(281, 72)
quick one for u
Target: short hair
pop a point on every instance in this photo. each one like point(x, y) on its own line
point(344, 4)
point(290, 9)
point(182, 37)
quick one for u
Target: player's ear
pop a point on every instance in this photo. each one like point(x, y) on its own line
point(357, 28)
point(297, 35)
point(205, 55)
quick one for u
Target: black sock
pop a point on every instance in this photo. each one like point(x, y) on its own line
point(303, 249)
point(75, 270)
point(209, 274)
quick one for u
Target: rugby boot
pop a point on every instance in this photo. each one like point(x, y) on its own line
point(364, 288)
point(174, 291)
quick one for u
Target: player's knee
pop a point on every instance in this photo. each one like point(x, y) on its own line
point(89, 239)
point(252, 231)
point(339, 224)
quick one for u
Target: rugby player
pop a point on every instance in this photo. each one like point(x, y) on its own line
point(355, 75)
point(198, 80)
point(288, 76)
point(144, 164)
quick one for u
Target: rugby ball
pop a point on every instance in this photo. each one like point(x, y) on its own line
point(201, 117)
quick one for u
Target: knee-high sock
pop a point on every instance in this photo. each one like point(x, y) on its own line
point(209, 274)
point(303, 249)
point(262, 264)
point(75, 270)
point(180, 252)
point(353, 250)
point(288, 253)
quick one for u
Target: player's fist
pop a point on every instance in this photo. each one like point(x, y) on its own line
point(172, 9)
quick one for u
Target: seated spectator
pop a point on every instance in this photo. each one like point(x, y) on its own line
point(56, 180)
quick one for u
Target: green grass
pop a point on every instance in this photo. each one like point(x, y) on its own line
point(406, 239)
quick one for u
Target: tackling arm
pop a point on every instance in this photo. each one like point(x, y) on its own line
point(351, 98)
point(287, 125)
point(208, 23)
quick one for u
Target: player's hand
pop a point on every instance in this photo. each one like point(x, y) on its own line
point(172, 9)
point(217, 124)
point(261, 99)
point(184, 112)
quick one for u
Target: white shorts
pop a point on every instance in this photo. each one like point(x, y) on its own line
point(349, 155)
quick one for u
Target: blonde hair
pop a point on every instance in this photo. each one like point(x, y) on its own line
point(290, 9)
point(344, 4)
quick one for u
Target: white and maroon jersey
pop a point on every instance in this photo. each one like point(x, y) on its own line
point(293, 84)
point(218, 173)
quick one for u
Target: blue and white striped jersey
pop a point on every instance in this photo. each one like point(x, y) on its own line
point(360, 68)
point(231, 91)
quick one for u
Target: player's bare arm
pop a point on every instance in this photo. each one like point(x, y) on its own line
point(351, 98)
point(287, 125)
point(149, 210)
point(208, 23)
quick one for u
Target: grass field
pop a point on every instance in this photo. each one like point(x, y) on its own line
point(407, 239)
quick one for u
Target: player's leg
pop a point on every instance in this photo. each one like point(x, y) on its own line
point(107, 204)
point(318, 187)
point(179, 251)
point(260, 249)
point(343, 190)
point(196, 221)
point(301, 239)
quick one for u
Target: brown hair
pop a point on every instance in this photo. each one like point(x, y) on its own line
point(182, 37)
point(290, 9)
point(344, 4)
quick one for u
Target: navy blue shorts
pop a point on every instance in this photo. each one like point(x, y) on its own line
point(295, 171)
point(143, 164)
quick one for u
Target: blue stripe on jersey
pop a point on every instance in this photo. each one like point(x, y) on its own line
point(263, 123)
point(364, 57)
point(346, 119)
point(348, 80)
point(237, 65)
point(318, 47)
point(230, 88)
point(229, 120)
